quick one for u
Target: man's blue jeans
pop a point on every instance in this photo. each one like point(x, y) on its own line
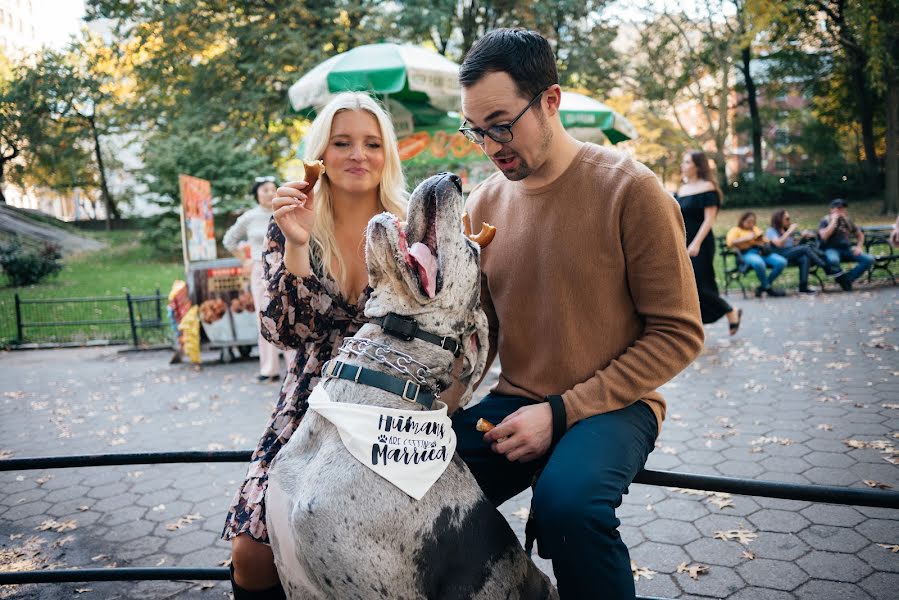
point(754, 259)
point(835, 255)
point(581, 485)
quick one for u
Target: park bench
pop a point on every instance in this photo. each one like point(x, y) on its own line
point(876, 244)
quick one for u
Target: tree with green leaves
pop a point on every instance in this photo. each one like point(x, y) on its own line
point(878, 23)
point(577, 31)
point(220, 159)
point(684, 64)
point(220, 67)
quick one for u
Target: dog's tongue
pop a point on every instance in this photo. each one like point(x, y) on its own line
point(427, 267)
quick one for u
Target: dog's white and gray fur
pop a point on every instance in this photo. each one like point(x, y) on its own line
point(340, 531)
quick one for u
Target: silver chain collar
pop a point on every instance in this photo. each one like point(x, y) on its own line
point(402, 363)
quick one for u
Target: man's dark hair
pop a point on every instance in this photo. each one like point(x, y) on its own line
point(524, 55)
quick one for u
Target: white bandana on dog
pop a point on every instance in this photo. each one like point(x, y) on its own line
point(408, 448)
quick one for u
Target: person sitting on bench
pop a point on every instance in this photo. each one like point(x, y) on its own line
point(836, 231)
point(756, 252)
point(782, 235)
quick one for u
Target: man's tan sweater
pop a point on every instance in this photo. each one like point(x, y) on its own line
point(588, 286)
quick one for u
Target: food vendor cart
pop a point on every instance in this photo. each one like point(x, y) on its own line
point(218, 287)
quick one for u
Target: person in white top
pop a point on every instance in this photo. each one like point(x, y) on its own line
point(250, 229)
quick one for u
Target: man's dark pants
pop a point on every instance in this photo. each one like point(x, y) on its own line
point(577, 493)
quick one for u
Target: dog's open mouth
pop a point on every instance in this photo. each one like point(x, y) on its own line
point(421, 256)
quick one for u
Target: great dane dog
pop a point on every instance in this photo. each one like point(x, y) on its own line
point(341, 531)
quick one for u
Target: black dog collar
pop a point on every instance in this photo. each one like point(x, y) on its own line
point(406, 328)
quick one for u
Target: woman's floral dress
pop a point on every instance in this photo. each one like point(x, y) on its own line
point(308, 314)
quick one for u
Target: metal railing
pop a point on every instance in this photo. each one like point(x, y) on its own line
point(128, 318)
point(768, 489)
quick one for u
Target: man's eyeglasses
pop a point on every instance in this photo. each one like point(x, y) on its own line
point(265, 179)
point(501, 134)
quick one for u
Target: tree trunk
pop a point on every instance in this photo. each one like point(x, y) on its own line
point(752, 97)
point(3, 160)
point(891, 194)
point(723, 120)
point(104, 187)
point(865, 101)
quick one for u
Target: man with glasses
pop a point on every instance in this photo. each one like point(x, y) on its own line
point(592, 306)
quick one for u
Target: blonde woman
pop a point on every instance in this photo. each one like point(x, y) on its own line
point(317, 288)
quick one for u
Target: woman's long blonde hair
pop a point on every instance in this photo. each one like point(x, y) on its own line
point(392, 196)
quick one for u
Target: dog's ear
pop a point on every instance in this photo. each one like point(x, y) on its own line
point(476, 345)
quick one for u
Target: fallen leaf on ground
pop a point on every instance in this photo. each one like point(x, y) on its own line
point(183, 522)
point(63, 541)
point(99, 557)
point(748, 555)
point(688, 491)
point(695, 570)
point(892, 405)
point(877, 484)
point(43, 480)
point(83, 590)
point(742, 535)
point(4, 454)
point(57, 526)
point(825, 427)
point(639, 572)
point(522, 513)
point(721, 502)
point(719, 499)
point(772, 440)
point(890, 547)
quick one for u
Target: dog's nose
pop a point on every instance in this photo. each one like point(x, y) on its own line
point(457, 181)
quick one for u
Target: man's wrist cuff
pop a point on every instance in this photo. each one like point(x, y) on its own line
point(560, 418)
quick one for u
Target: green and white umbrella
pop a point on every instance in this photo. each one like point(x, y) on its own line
point(419, 85)
point(590, 120)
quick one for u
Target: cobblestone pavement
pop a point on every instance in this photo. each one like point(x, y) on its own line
point(807, 392)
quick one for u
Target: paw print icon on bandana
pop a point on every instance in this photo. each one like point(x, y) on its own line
point(382, 438)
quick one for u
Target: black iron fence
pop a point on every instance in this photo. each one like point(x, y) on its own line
point(138, 320)
point(769, 489)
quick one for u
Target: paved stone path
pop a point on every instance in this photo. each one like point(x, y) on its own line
point(777, 402)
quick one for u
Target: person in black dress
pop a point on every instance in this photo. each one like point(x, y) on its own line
point(700, 198)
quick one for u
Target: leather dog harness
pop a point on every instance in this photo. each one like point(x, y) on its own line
point(404, 388)
point(405, 328)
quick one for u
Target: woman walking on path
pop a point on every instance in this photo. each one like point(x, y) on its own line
point(700, 198)
point(250, 228)
point(317, 286)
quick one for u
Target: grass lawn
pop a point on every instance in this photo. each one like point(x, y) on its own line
point(124, 266)
point(806, 215)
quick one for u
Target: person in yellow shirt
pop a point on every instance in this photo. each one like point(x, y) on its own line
point(755, 250)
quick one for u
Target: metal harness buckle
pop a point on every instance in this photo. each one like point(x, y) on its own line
point(406, 389)
point(444, 344)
